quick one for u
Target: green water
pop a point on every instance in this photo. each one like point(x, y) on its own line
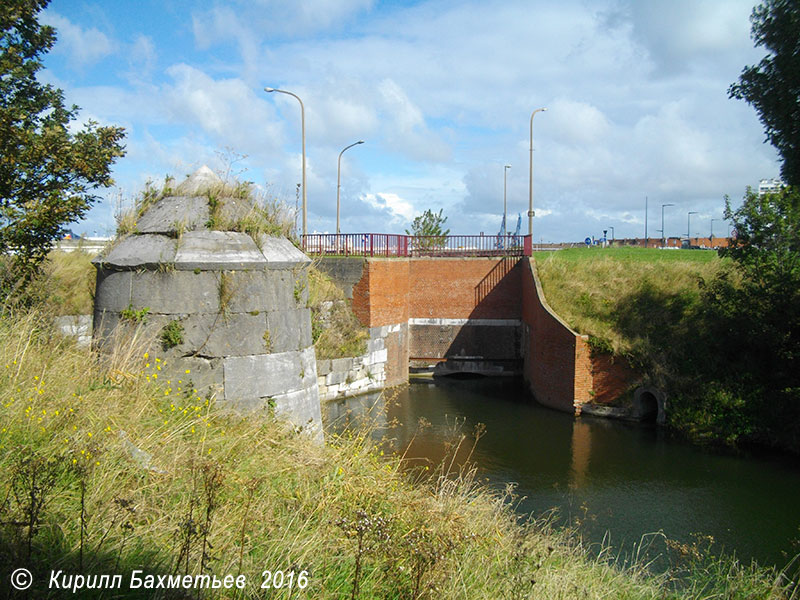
point(619, 481)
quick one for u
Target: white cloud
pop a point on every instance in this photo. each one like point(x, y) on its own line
point(83, 45)
point(142, 56)
point(399, 210)
point(229, 110)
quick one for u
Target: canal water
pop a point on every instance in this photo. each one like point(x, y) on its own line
point(617, 480)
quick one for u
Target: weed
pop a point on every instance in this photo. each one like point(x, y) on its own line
point(135, 315)
point(226, 292)
point(267, 341)
point(370, 532)
point(172, 334)
point(299, 289)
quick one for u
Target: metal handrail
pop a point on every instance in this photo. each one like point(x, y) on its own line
point(398, 245)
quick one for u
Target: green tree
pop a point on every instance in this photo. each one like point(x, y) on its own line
point(47, 173)
point(773, 86)
point(753, 312)
point(427, 229)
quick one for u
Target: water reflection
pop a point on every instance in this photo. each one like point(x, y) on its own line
point(616, 477)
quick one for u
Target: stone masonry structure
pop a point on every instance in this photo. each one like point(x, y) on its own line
point(225, 309)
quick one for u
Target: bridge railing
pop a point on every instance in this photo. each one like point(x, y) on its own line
point(397, 245)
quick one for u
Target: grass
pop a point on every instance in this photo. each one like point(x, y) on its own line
point(335, 330)
point(66, 284)
point(634, 302)
point(110, 469)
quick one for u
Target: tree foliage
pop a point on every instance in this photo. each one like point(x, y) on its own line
point(428, 229)
point(773, 86)
point(48, 173)
point(753, 314)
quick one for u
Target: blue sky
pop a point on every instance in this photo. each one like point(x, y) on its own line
point(441, 92)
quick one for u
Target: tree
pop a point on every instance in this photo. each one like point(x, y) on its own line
point(773, 86)
point(427, 228)
point(47, 173)
point(753, 312)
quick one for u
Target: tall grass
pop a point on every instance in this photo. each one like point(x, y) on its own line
point(108, 470)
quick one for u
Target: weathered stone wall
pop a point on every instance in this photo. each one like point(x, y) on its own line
point(76, 326)
point(343, 377)
point(222, 309)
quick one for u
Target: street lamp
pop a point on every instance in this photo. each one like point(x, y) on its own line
point(303, 135)
point(530, 180)
point(611, 227)
point(711, 237)
point(505, 171)
point(663, 237)
point(688, 227)
point(339, 180)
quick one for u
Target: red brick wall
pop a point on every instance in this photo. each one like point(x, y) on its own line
point(395, 290)
point(381, 297)
point(556, 362)
point(464, 288)
point(611, 377)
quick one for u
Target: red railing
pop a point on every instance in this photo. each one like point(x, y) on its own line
point(387, 245)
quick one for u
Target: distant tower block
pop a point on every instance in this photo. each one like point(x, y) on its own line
point(226, 310)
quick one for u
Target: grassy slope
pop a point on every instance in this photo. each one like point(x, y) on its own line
point(634, 302)
point(167, 479)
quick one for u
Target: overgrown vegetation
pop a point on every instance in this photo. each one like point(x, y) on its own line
point(232, 206)
point(65, 285)
point(335, 330)
point(107, 471)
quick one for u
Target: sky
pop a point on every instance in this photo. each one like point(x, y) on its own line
point(441, 92)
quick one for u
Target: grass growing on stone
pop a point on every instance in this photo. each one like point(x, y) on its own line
point(108, 470)
point(335, 330)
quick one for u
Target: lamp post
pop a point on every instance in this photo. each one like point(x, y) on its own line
point(663, 236)
point(688, 227)
point(505, 171)
point(530, 179)
point(711, 237)
point(339, 180)
point(303, 136)
point(611, 227)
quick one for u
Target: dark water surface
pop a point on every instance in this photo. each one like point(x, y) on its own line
point(617, 478)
